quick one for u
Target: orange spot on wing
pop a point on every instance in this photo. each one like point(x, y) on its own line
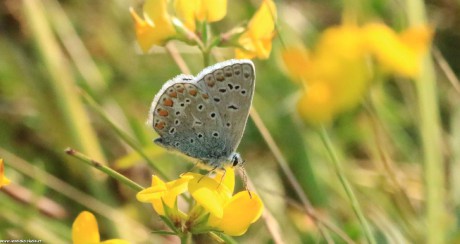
point(160, 125)
point(205, 96)
point(180, 90)
point(168, 102)
point(173, 94)
point(193, 92)
point(162, 112)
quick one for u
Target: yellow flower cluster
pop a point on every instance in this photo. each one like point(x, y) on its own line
point(3, 180)
point(215, 208)
point(158, 25)
point(338, 71)
point(86, 231)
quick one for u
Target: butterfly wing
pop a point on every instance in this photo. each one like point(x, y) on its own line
point(230, 85)
point(186, 120)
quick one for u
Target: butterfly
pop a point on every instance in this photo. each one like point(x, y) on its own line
point(204, 117)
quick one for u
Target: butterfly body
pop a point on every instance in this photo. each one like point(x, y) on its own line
point(204, 117)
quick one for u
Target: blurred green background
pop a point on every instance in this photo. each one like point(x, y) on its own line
point(53, 54)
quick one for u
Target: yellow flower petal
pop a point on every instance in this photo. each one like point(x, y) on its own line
point(257, 40)
point(115, 241)
point(398, 54)
point(209, 193)
point(185, 11)
point(227, 178)
point(157, 28)
point(161, 192)
point(189, 11)
point(3, 180)
point(317, 105)
point(212, 10)
point(240, 212)
point(297, 62)
point(85, 229)
point(262, 23)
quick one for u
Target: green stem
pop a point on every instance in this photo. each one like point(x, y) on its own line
point(206, 58)
point(114, 174)
point(347, 187)
point(184, 238)
point(122, 134)
point(430, 131)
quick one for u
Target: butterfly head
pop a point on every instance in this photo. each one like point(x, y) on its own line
point(236, 159)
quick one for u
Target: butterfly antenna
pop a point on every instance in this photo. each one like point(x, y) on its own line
point(245, 179)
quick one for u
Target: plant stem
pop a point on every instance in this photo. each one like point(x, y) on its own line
point(123, 135)
point(114, 174)
point(347, 187)
point(430, 131)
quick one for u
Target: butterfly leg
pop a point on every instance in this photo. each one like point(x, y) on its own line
point(207, 174)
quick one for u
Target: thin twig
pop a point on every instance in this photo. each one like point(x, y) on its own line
point(347, 187)
point(123, 135)
point(52, 182)
point(114, 174)
point(450, 75)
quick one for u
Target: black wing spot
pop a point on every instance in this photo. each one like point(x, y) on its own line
point(172, 130)
point(243, 92)
point(176, 122)
point(237, 87)
point(232, 107)
point(216, 99)
point(200, 135)
point(192, 140)
point(187, 100)
point(215, 134)
point(228, 124)
point(182, 104)
point(222, 90)
point(177, 112)
point(200, 107)
point(212, 115)
point(197, 122)
point(176, 144)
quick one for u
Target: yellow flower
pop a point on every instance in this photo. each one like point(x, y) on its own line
point(86, 231)
point(336, 74)
point(256, 41)
point(297, 62)
point(3, 180)
point(161, 192)
point(231, 214)
point(215, 209)
point(190, 11)
point(157, 27)
point(402, 53)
